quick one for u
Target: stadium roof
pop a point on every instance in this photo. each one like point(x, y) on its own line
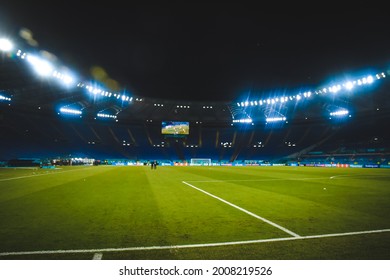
point(22, 89)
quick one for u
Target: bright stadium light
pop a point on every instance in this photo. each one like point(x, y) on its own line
point(370, 79)
point(275, 119)
point(339, 113)
point(42, 67)
point(247, 120)
point(106, 116)
point(66, 79)
point(335, 89)
point(4, 98)
point(349, 85)
point(70, 111)
point(6, 45)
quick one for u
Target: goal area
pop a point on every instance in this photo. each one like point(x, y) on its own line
point(200, 162)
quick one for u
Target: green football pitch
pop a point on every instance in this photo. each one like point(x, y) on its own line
point(195, 213)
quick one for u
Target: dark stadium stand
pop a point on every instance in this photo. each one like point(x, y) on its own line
point(36, 136)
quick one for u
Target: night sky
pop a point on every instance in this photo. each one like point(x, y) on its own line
point(203, 51)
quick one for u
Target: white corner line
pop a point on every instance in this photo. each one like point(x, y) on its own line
point(244, 210)
point(199, 245)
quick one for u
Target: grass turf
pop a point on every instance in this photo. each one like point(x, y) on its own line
point(98, 207)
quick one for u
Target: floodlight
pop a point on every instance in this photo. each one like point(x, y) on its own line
point(370, 79)
point(42, 67)
point(349, 85)
point(66, 79)
point(247, 120)
point(4, 98)
point(339, 113)
point(6, 45)
point(106, 116)
point(275, 119)
point(70, 111)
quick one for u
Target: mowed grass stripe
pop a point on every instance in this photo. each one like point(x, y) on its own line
point(82, 212)
point(17, 186)
point(116, 207)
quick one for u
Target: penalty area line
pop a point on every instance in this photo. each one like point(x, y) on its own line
point(99, 251)
point(243, 210)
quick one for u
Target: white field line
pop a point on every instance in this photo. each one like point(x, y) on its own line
point(286, 179)
point(204, 245)
point(42, 174)
point(244, 210)
point(97, 256)
point(258, 180)
point(346, 176)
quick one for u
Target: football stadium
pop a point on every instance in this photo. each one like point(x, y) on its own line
point(297, 175)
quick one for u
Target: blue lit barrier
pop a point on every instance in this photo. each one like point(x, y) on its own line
point(371, 165)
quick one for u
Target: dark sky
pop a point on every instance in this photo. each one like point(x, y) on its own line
point(204, 51)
